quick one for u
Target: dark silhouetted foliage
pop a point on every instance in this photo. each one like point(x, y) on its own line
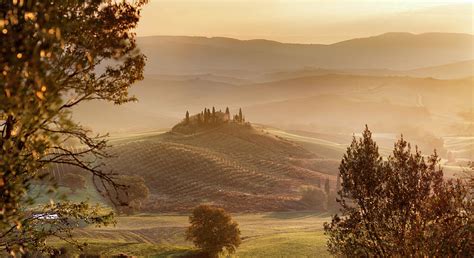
point(399, 207)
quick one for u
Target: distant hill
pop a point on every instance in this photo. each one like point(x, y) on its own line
point(231, 165)
point(162, 101)
point(397, 51)
point(456, 70)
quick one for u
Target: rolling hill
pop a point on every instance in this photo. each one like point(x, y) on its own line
point(398, 51)
point(231, 165)
point(164, 100)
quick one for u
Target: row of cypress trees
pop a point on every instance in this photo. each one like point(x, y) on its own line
point(208, 116)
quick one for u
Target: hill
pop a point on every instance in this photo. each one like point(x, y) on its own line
point(398, 51)
point(230, 165)
point(455, 70)
point(162, 101)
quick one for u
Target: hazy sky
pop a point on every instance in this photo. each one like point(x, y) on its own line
point(304, 21)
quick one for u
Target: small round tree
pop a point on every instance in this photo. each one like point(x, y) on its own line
point(213, 230)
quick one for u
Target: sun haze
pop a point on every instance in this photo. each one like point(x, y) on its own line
point(303, 21)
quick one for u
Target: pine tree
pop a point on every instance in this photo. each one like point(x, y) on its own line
point(227, 114)
point(240, 115)
point(199, 121)
point(399, 207)
point(187, 117)
point(214, 118)
point(205, 116)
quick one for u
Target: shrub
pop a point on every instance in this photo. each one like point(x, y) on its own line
point(314, 197)
point(74, 181)
point(213, 230)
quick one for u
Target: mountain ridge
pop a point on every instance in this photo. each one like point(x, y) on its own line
point(397, 51)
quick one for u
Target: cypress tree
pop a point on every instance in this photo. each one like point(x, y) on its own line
point(240, 115)
point(187, 117)
point(214, 118)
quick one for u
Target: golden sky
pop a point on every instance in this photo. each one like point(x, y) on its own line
point(304, 21)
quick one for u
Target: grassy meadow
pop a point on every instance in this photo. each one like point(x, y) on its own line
point(281, 234)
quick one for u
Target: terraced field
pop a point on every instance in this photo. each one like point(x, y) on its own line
point(237, 167)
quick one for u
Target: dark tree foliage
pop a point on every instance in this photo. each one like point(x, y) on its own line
point(55, 55)
point(74, 181)
point(399, 207)
point(213, 230)
point(187, 117)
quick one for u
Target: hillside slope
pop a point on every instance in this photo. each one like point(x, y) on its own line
point(399, 51)
point(234, 166)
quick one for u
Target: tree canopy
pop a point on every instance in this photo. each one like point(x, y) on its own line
point(213, 230)
point(55, 55)
point(401, 206)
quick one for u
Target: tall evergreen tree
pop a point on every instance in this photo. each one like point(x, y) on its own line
point(187, 117)
point(399, 207)
point(214, 117)
point(204, 116)
point(240, 115)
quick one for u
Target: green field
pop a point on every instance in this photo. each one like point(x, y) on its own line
point(283, 234)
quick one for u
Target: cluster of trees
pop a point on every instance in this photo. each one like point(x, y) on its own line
point(400, 206)
point(210, 117)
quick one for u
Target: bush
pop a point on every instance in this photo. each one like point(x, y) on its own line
point(314, 197)
point(130, 199)
point(213, 230)
point(74, 181)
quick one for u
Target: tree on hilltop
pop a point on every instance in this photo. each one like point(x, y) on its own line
point(214, 115)
point(187, 117)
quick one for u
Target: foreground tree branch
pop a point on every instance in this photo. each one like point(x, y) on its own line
point(55, 55)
